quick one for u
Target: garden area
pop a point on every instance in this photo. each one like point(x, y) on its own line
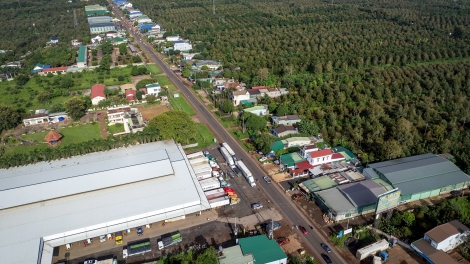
point(70, 135)
point(154, 69)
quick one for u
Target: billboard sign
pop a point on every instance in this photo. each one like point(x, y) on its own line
point(387, 201)
point(347, 231)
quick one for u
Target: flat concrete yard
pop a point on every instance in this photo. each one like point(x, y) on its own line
point(151, 111)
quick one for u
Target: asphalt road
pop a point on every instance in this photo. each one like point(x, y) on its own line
point(283, 202)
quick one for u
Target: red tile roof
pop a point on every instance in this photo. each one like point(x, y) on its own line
point(97, 90)
point(55, 69)
point(303, 165)
point(337, 156)
point(130, 95)
point(321, 153)
point(259, 87)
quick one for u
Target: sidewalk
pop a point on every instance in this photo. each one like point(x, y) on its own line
point(156, 229)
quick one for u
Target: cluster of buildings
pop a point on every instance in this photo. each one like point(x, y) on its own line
point(82, 62)
point(345, 190)
point(249, 97)
point(129, 90)
point(144, 23)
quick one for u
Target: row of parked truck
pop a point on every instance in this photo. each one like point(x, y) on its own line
point(233, 162)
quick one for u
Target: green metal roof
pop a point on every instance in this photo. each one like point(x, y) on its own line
point(384, 184)
point(277, 145)
point(81, 54)
point(318, 184)
point(348, 155)
point(153, 85)
point(263, 249)
point(420, 173)
point(291, 158)
point(234, 255)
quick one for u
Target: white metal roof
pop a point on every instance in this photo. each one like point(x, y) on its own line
point(143, 179)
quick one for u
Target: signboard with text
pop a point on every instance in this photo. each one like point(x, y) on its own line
point(387, 201)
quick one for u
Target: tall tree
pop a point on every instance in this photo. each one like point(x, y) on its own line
point(76, 107)
point(176, 125)
point(9, 116)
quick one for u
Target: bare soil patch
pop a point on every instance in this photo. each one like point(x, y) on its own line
point(149, 112)
point(136, 79)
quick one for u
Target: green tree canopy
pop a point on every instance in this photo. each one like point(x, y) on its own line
point(76, 107)
point(176, 125)
point(264, 141)
point(9, 117)
point(227, 106)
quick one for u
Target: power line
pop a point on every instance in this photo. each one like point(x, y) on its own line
point(75, 19)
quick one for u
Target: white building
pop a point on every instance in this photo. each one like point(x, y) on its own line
point(447, 236)
point(97, 94)
point(153, 88)
point(71, 200)
point(173, 38)
point(117, 114)
point(182, 46)
point(320, 157)
point(238, 96)
point(36, 119)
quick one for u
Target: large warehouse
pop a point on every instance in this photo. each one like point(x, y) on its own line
point(419, 177)
point(49, 204)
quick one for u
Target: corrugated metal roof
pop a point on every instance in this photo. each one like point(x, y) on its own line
point(263, 249)
point(234, 255)
point(420, 173)
point(362, 193)
point(335, 200)
point(144, 199)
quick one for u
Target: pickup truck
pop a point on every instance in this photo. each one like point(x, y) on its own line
point(118, 238)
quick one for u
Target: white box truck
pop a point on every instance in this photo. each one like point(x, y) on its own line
point(227, 157)
point(230, 151)
point(221, 201)
point(246, 173)
point(209, 184)
point(371, 249)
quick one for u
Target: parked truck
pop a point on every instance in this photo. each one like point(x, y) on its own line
point(213, 194)
point(221, 201)
point(210, 184)
point(230, 151)
point(198, 161)
point(202, 168)
point(227, 157)
point(169, 240)
point(371, 249)
point(203, 175)
point(195, 155)
point(246, 173)
point(136, 248)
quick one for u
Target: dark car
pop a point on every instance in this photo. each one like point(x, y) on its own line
point(456, 192)
point(139, 231)
point(303, 230)
point(326, 258)
point(325, 247)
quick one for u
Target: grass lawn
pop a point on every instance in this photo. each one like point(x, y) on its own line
point(180, 103)
point(163, 80)
point(204, 137)
point(116, 128)
point(154, 69)
point(21, 96)
point(70, 135)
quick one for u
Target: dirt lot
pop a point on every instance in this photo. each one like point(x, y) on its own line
point(149, 112)
point(136, 79)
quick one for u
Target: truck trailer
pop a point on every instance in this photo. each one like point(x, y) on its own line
point(136, 248)
point(227, 157)
point(213, 194)
point(202, 168)
point(209, 184)
point(195, 155)
point(371, 249)
point(246, 173)
point(221, 201)
point(199, 161)
point(203, 175)
point(230, 151)
point(169, 240)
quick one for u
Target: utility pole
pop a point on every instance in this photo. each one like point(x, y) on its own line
point(35, 33)
point(213, 7)
point(272, 230)
point(235, 229)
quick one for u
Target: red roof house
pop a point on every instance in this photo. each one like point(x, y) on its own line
point(130, 95)
point(259, 87)
point(97, 93)
point(320, 157)
point(55, 70)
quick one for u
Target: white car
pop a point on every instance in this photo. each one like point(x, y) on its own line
point(90, 261)
point(267, 179)
point(263, 159)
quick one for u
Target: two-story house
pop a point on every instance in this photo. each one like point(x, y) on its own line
point(447, 236)
point(285, 120)
point(239, 96)
point(320, 157)
point(153, 88)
